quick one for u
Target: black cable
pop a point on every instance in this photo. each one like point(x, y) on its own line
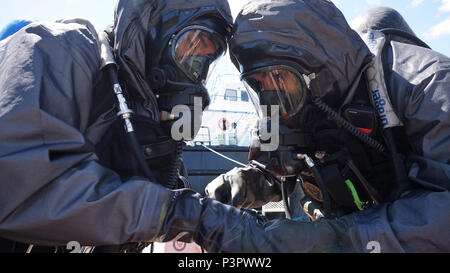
point(172, 181)
point(348, 126)
point(287, 207)
point(125, 113)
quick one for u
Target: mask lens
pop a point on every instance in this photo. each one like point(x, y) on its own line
point(195, 50)
point(280, 86)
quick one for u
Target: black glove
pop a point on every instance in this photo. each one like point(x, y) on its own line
point(222, 228)
point(245, 188)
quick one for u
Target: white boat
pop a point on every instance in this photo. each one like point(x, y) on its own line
point(231, 116)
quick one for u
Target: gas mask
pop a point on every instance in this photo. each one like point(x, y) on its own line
point(312, 138)
point(181, 75)
point(284, 87)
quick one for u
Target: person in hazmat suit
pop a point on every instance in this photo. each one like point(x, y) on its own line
point(364, 122)
point(72, 168)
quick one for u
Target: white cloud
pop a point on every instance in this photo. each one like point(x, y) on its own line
point(73, 2)
point(439, 30)
point(445, 6)
point(374, 2)
point(416, 3)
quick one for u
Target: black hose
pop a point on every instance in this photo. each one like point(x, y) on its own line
point(287, 207)
point(112, 69)
point(126, 116)
point(348, 126)
point(172, 180)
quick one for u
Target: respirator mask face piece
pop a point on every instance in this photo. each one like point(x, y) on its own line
point(277, 85)
point(195, 50)
point(179, 81)
point(285, 88)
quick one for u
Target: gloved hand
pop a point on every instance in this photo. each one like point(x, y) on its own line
point(244, 188)
point(222, 228)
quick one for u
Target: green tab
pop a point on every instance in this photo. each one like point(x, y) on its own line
point(359, 204)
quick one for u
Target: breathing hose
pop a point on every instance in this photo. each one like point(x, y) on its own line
point(172, 181)
point(126, 113)
point(287, 207)
point(348, 126)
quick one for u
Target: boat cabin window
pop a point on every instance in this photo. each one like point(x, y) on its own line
point(244, 96)
point(231, 95)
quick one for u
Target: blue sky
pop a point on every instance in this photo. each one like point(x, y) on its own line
point(430, 19)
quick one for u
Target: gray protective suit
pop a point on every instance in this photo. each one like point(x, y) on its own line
point(418, 82)
point(56, 104)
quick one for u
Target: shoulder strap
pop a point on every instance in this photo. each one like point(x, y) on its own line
point(376, 41)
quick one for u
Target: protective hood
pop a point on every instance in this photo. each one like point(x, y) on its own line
point(381, 18)
point(312, 33)
point(389, 21)
point(142, 28)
